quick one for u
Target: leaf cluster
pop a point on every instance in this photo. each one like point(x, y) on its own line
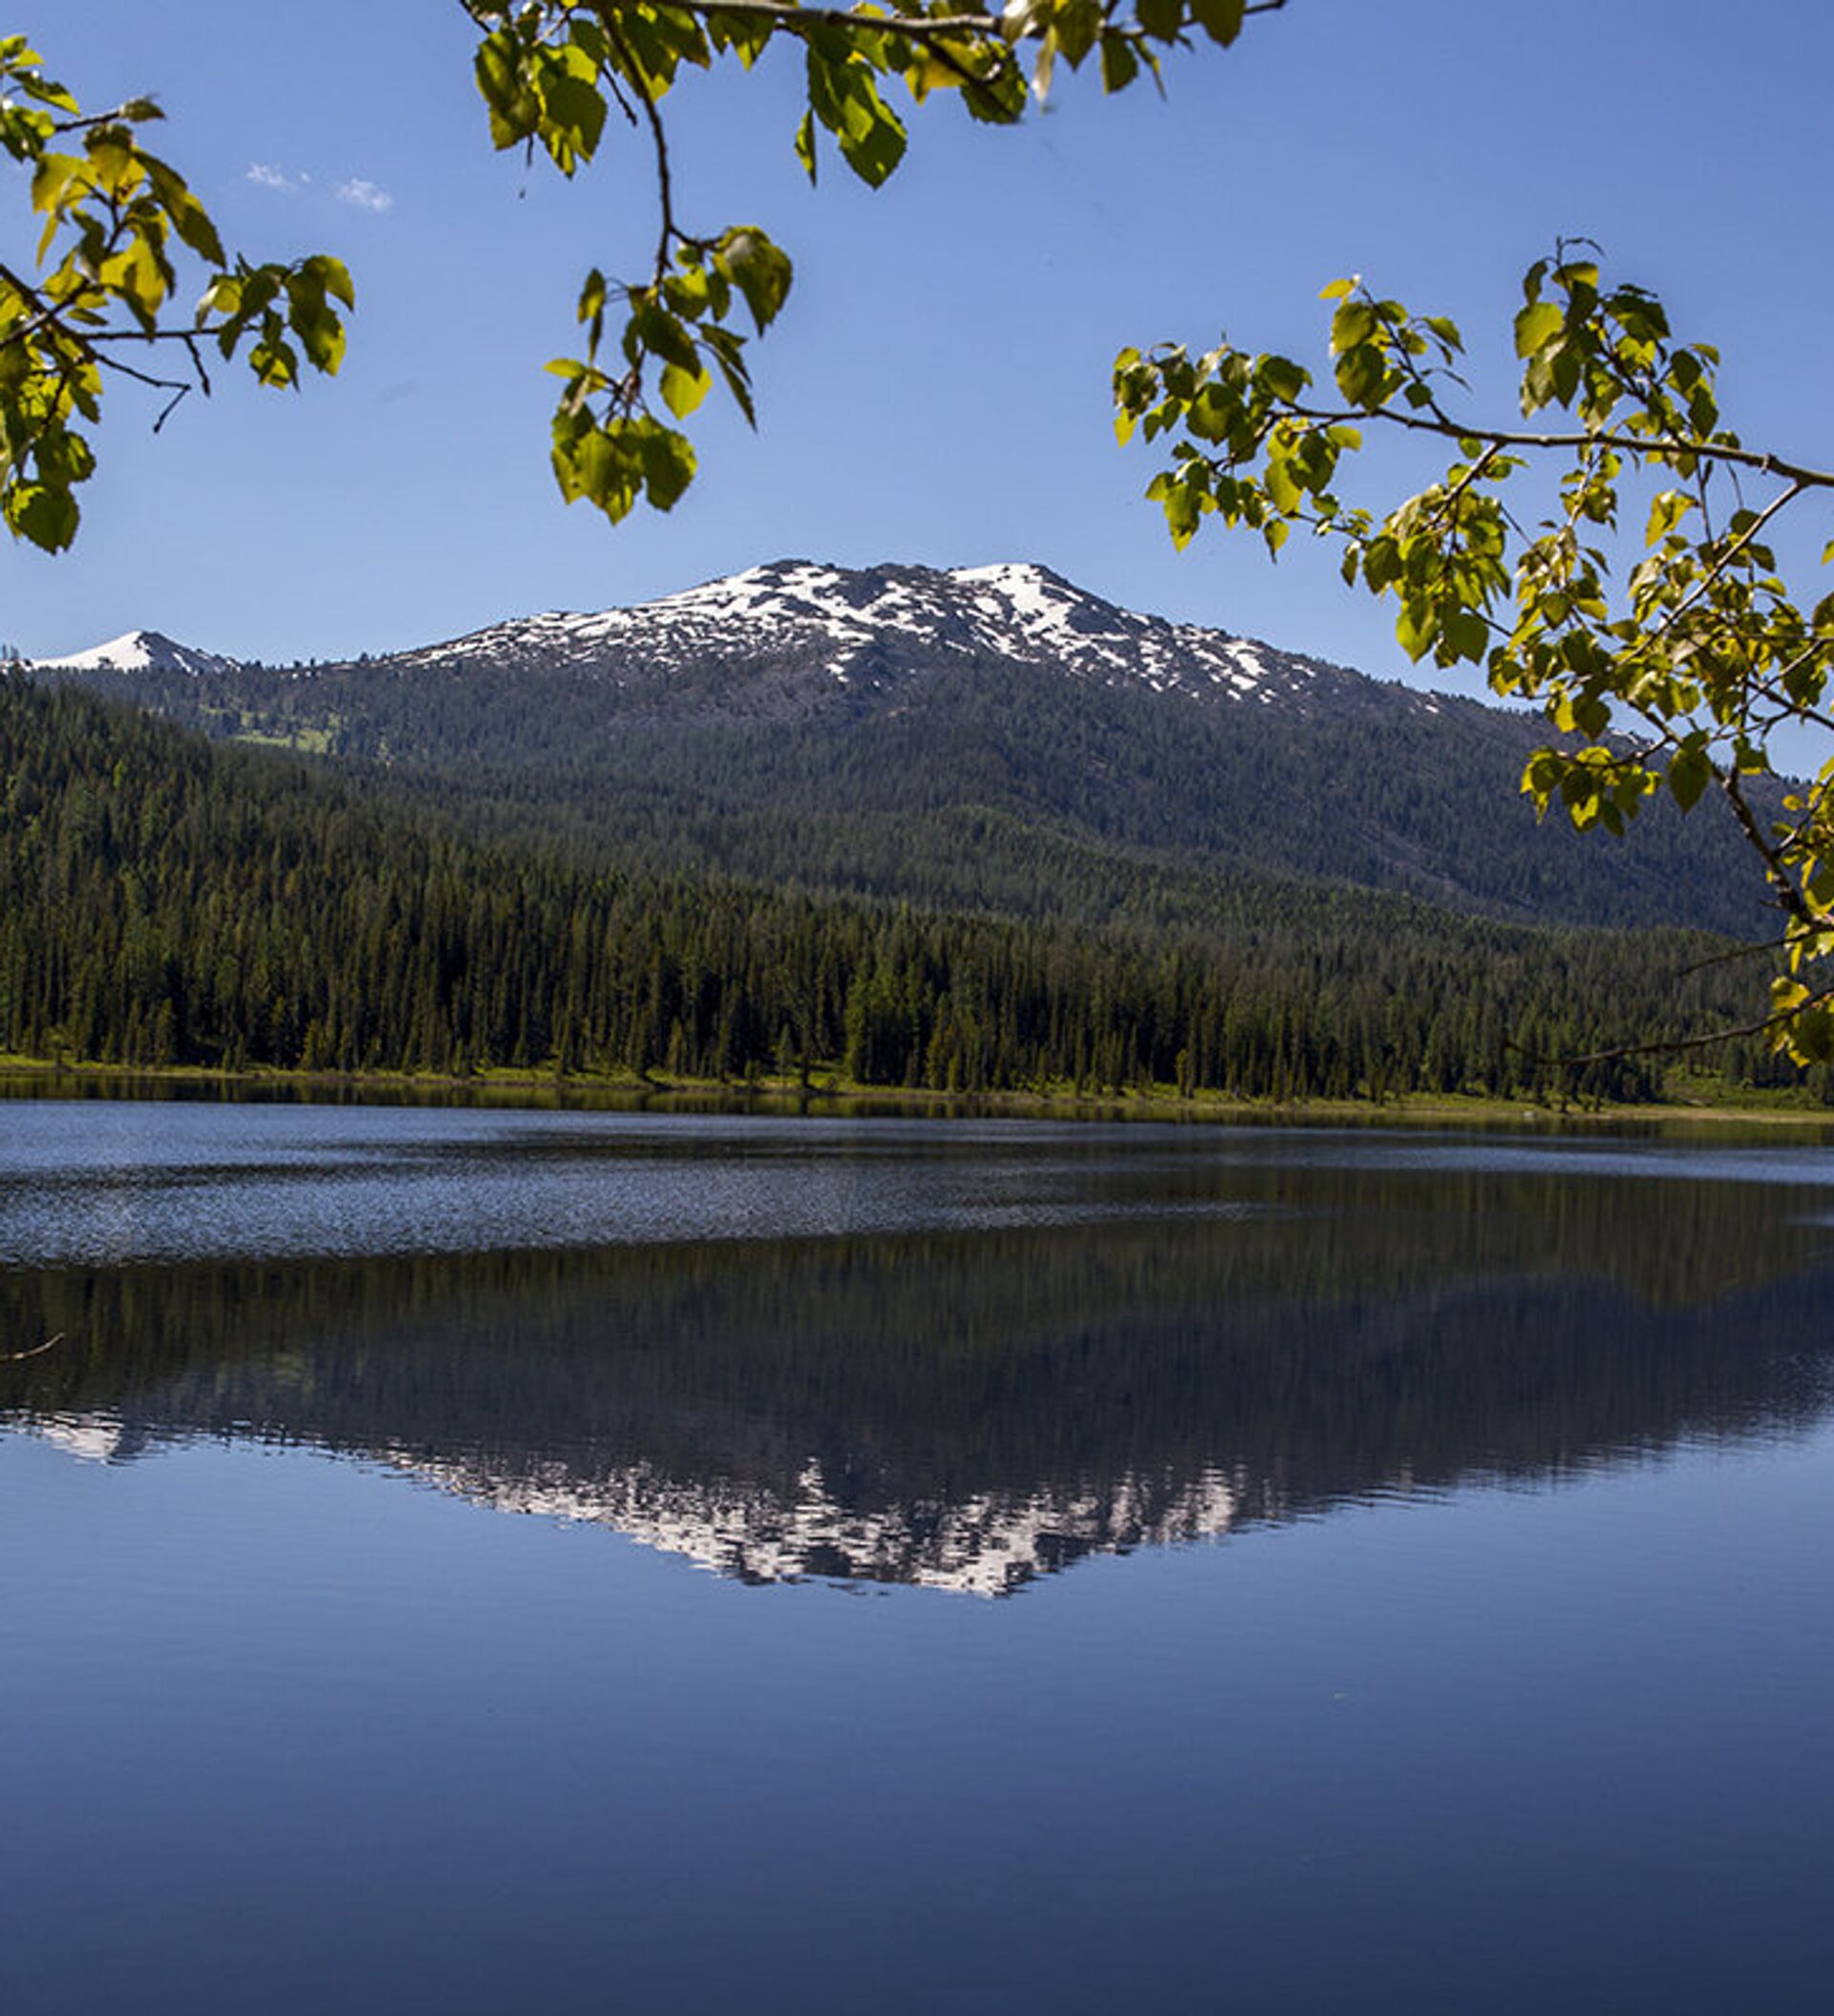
point(117, 225)
point(554, 73)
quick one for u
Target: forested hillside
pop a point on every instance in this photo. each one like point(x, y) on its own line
point(167, 900)
point(989, 738)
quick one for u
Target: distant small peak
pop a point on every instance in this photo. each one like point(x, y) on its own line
point(136, 650)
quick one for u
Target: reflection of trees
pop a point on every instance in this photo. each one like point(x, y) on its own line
point(1334, 1335)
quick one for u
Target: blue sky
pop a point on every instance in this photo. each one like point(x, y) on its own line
point(937, 390)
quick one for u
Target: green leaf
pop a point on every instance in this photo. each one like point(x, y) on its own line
point(1536, 326)
point(1467, 635)
point(1542, 777)
point(320, 332)
point(1446, 329)
point(1810, 1036)
point(668, 465)
point(1665, 512)
point(683, 391)
point(654, 330)
point(1283, 379)
point(572, 107)
point(1415, 629)
point(1211, 415)
point(275, 361)
point(1690, 773)
point(333, 275)
point(760, 270)
point(1220, 19)
point(1362, 376)
point(873, 137)
point(515, 111)
point(592, 293)
point(189, 218)
point(1076, 24)
point(1383, 563)
point(45, 516)
point(1182, 505)
point(727, 346)
point(1352, 324)
point(1120, 65)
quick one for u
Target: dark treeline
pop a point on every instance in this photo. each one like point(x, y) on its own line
point(167, 901)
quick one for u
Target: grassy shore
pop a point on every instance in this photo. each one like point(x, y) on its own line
point(1697, 1101)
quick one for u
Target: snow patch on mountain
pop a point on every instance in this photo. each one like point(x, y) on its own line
point(846, 621)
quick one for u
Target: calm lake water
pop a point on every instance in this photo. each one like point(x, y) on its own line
point(962, 1567)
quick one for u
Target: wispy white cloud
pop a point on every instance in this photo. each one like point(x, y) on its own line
point(365, 195)
point(265, 175)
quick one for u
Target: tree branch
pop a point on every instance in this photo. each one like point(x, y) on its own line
point(1724, 560)
point(1788, 895)
point(1444, 427)
point(630, 387)
point(1671, 1046)
point(915, 28)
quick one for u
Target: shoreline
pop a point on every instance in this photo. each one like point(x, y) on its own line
point(823, 1092)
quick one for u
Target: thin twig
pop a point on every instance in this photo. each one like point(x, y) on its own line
point(1738, 952)
point(171, 406)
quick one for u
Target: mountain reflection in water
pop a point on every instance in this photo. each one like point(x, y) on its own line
point(971, 1409)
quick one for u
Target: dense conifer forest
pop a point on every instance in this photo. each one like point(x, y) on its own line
point(164, 900)
point(986, 784)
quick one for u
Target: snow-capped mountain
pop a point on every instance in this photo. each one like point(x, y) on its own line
point(851, 629)
point(854, 623)
point(138, 651)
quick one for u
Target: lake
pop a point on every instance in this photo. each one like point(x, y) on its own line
point(474, 1560)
